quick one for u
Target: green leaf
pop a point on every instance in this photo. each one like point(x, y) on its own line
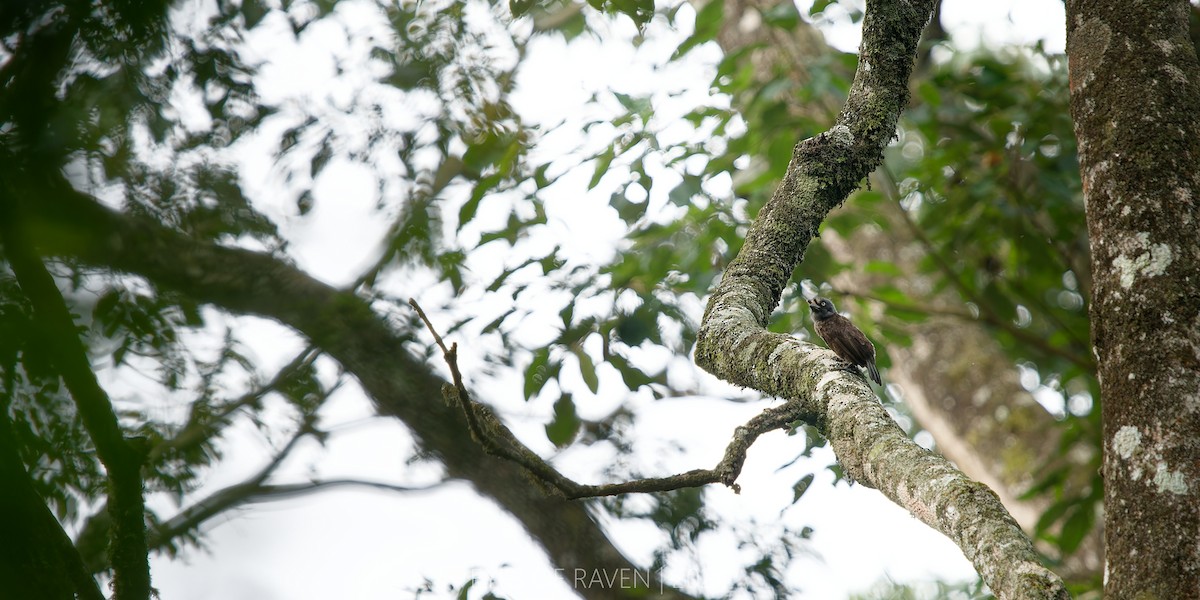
point(800, 487)
point(587, 369)
point(637, 105)
point(633, 377)
point(628, 210)
point(603, 161)
point(883, 267)
point(682, 194)
point(812, 439)
point(641, 11)
point(708, 23)
point(471, 206)
point(638, 327)
point(783, 15)
point(566, 422)
point(1076, 527)
point(819, 6)
point(494, 325)
point(321, 158)
point(1053, 513)
point(463, 591)
point(537, 372)
point(253, 12)
point(304, 203)
point(520, 7)
point(484, 153)
point(838, 474)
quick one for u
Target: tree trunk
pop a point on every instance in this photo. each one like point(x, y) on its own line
point(1135, 102)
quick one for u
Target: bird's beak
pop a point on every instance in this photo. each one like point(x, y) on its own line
point(812, 303)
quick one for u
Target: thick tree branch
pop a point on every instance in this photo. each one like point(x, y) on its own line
point(954, 377)
point(122, 460)
point(70, 223)
point(734, 344)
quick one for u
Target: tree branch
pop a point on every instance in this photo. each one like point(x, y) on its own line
point(237, 495)
point(70, 223)
point(255, 489)
point(498, 440)
point(734, 344)
point(37, 559)
point(98, 527)
point(58, 337)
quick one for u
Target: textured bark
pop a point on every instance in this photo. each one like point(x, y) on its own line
point(734, 344)
point(954, 377)
point(1135, 101)
point(71, 224)
point(37, 560)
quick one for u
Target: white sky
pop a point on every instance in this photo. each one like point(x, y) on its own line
point(370, 545)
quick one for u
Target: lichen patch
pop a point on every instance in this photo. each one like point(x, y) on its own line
point(1170, 481)
point(1126, 441)
point(1143, 259)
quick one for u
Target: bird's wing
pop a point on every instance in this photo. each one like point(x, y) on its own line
point(852, 345)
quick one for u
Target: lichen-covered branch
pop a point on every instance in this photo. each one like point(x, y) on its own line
point(734, 344)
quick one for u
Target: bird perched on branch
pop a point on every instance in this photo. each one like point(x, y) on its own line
point(843, 337)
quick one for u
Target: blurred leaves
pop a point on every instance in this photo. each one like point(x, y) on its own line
point(561, 431)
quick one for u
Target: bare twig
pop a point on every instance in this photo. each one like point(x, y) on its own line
point(460, 389)
point(249, 492)
point(510, 448)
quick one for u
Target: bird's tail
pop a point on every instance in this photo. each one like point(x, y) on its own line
point(874, 372)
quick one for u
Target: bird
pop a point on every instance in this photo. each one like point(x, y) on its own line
point(846, 341)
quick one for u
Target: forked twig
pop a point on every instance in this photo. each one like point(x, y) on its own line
point(726, 472)
point(460, 390)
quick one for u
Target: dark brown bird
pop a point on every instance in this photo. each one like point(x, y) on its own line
point(843, 337)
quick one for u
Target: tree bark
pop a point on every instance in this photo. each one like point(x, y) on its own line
point(37, 560)
point(1135, 102)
